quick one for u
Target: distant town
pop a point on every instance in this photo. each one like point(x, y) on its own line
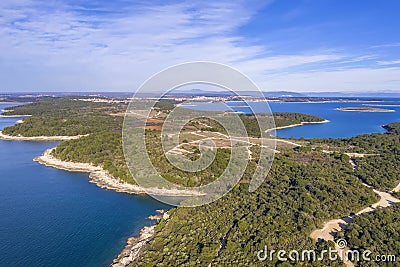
point(203, 96)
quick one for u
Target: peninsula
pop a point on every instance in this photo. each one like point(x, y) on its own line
point(311, 182)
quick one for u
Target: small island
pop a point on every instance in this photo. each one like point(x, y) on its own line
point(364, 109)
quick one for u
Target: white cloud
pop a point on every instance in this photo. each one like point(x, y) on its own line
point(390, 62)
point(65, 49)
point(359, 79)
point(54, 46)
point(385, 45)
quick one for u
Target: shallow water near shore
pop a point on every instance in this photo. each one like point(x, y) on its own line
point(51, 217)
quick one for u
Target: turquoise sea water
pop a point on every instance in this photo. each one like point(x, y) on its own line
point(50, 217)
point(342, 123)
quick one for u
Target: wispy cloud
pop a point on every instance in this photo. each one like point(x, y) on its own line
point(386, 45)
point(71, 42)
point(390, 62)
point(355, 79)
point(116, 45)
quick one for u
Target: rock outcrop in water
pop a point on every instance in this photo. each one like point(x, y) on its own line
point(134, 246)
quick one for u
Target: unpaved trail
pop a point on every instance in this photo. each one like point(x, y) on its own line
point(330, 228)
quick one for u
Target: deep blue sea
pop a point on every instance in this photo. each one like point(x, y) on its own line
point(342, 123)
point(50, 217)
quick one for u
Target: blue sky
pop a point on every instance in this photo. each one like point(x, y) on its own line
point(77, 45)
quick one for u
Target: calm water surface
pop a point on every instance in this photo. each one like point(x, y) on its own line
point(342, 123)
point(50, 217)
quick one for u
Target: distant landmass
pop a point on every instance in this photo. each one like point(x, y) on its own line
point(280, 95)
point(376, 94)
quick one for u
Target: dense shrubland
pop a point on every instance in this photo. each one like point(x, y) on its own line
point(304, 188)
point(296, 198)
point(377, 232)
point(102, 149)
point(65, 117)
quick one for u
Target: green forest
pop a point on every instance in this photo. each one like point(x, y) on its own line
point(103, 145)
point(65, 117)
point(377, 232)
point(380, 169)
point(304, 188)
point(297, 197)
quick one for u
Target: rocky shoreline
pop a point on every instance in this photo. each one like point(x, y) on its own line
point(133, 248)
point(37, 138)
point(103, 179)
point(135, 245)
point(14, 116)
point(294, 125)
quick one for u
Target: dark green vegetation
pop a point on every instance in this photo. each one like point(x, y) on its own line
point(102, 148)
point(382, 172)
point(381, 168)
point(301, 191)
point(21, 98)
point(175, 175)
point(252, 123)
point(105, 149)
point(103, 145)
point(377, 232)
point(65, 104)
point(393, 128)
point(304, 188)
point(62, 125)
point(281, 119)
point(365, 143)
point(290, 118)
point(165, 105)
point(68, 117)
point(65, 117)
